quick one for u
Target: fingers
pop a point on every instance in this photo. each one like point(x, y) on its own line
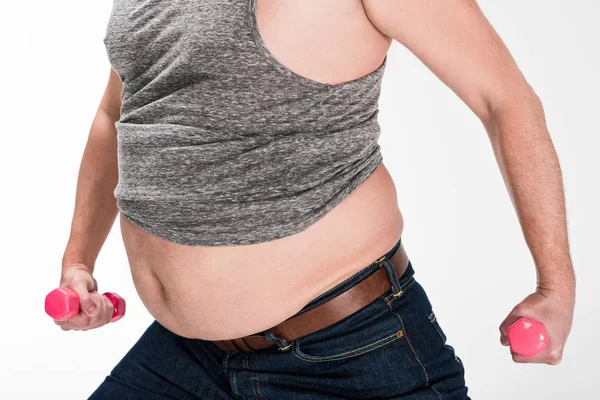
point(88, 301)
point(551, 357)
point(554, 358)
point(78, 322)
point(519, 311)
point(83, 321)
point(508, 321)
point(94, 309)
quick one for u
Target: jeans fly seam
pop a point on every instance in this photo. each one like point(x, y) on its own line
point(412, 349)
point(255, 387)
point(254, 379)
point(234, 385)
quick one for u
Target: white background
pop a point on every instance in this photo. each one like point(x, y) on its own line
point(461, 232)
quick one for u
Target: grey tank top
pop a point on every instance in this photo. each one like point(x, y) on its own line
point(218, 142)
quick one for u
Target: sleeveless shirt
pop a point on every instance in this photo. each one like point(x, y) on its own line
point(218, 142)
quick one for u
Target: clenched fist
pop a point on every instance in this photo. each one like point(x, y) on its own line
point(553, 307)
point(95, 310)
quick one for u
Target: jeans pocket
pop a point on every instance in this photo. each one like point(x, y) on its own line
point(370, 328)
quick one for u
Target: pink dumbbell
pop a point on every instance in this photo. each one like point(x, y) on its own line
point(63, 304)
point(527, 337)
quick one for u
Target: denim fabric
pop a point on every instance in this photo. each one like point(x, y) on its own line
point(394, 348)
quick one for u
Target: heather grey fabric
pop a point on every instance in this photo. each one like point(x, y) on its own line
point(219, 143)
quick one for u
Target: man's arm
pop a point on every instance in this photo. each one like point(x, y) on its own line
point(458, 44)
point(95, 205)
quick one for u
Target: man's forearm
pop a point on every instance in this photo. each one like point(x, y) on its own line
point(95, 205)
point(532, 175)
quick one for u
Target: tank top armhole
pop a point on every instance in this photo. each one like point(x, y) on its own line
point(264, 50)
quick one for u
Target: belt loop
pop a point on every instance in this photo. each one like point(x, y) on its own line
point(391, 273)
point(283, 344)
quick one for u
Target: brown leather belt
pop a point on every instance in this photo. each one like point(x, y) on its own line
point(328, 313)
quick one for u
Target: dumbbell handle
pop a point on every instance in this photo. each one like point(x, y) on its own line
point(527, 337)
point(63, 303)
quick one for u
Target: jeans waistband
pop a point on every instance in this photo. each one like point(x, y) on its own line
point(356, 278)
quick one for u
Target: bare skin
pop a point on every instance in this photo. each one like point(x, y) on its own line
point(226, 292)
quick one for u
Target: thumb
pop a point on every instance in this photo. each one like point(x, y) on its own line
point(89, 302)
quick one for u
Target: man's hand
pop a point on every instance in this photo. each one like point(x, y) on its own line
point(95, 310)
point(553, 307)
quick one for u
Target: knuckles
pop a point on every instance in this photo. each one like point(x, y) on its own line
point(522, 309)
point(555, 357)
point(83, 321)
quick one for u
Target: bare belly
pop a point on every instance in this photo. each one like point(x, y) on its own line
point(225, 292)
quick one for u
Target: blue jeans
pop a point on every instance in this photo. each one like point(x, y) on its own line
point(394, 348)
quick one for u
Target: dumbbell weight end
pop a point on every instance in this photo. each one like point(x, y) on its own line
point(63, 303)
point(527, 337)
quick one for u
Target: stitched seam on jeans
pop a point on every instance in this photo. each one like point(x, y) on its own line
point(349, 354)
point(234, 385)
point(408, 283)
point(258, 389)
point(343, 358)
point(255, 387)
point(411, 347)
point(403, 288)
point(433, 318)
point(360, 348)
point(435, 390)
point(434, 321)
point(254, 381)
